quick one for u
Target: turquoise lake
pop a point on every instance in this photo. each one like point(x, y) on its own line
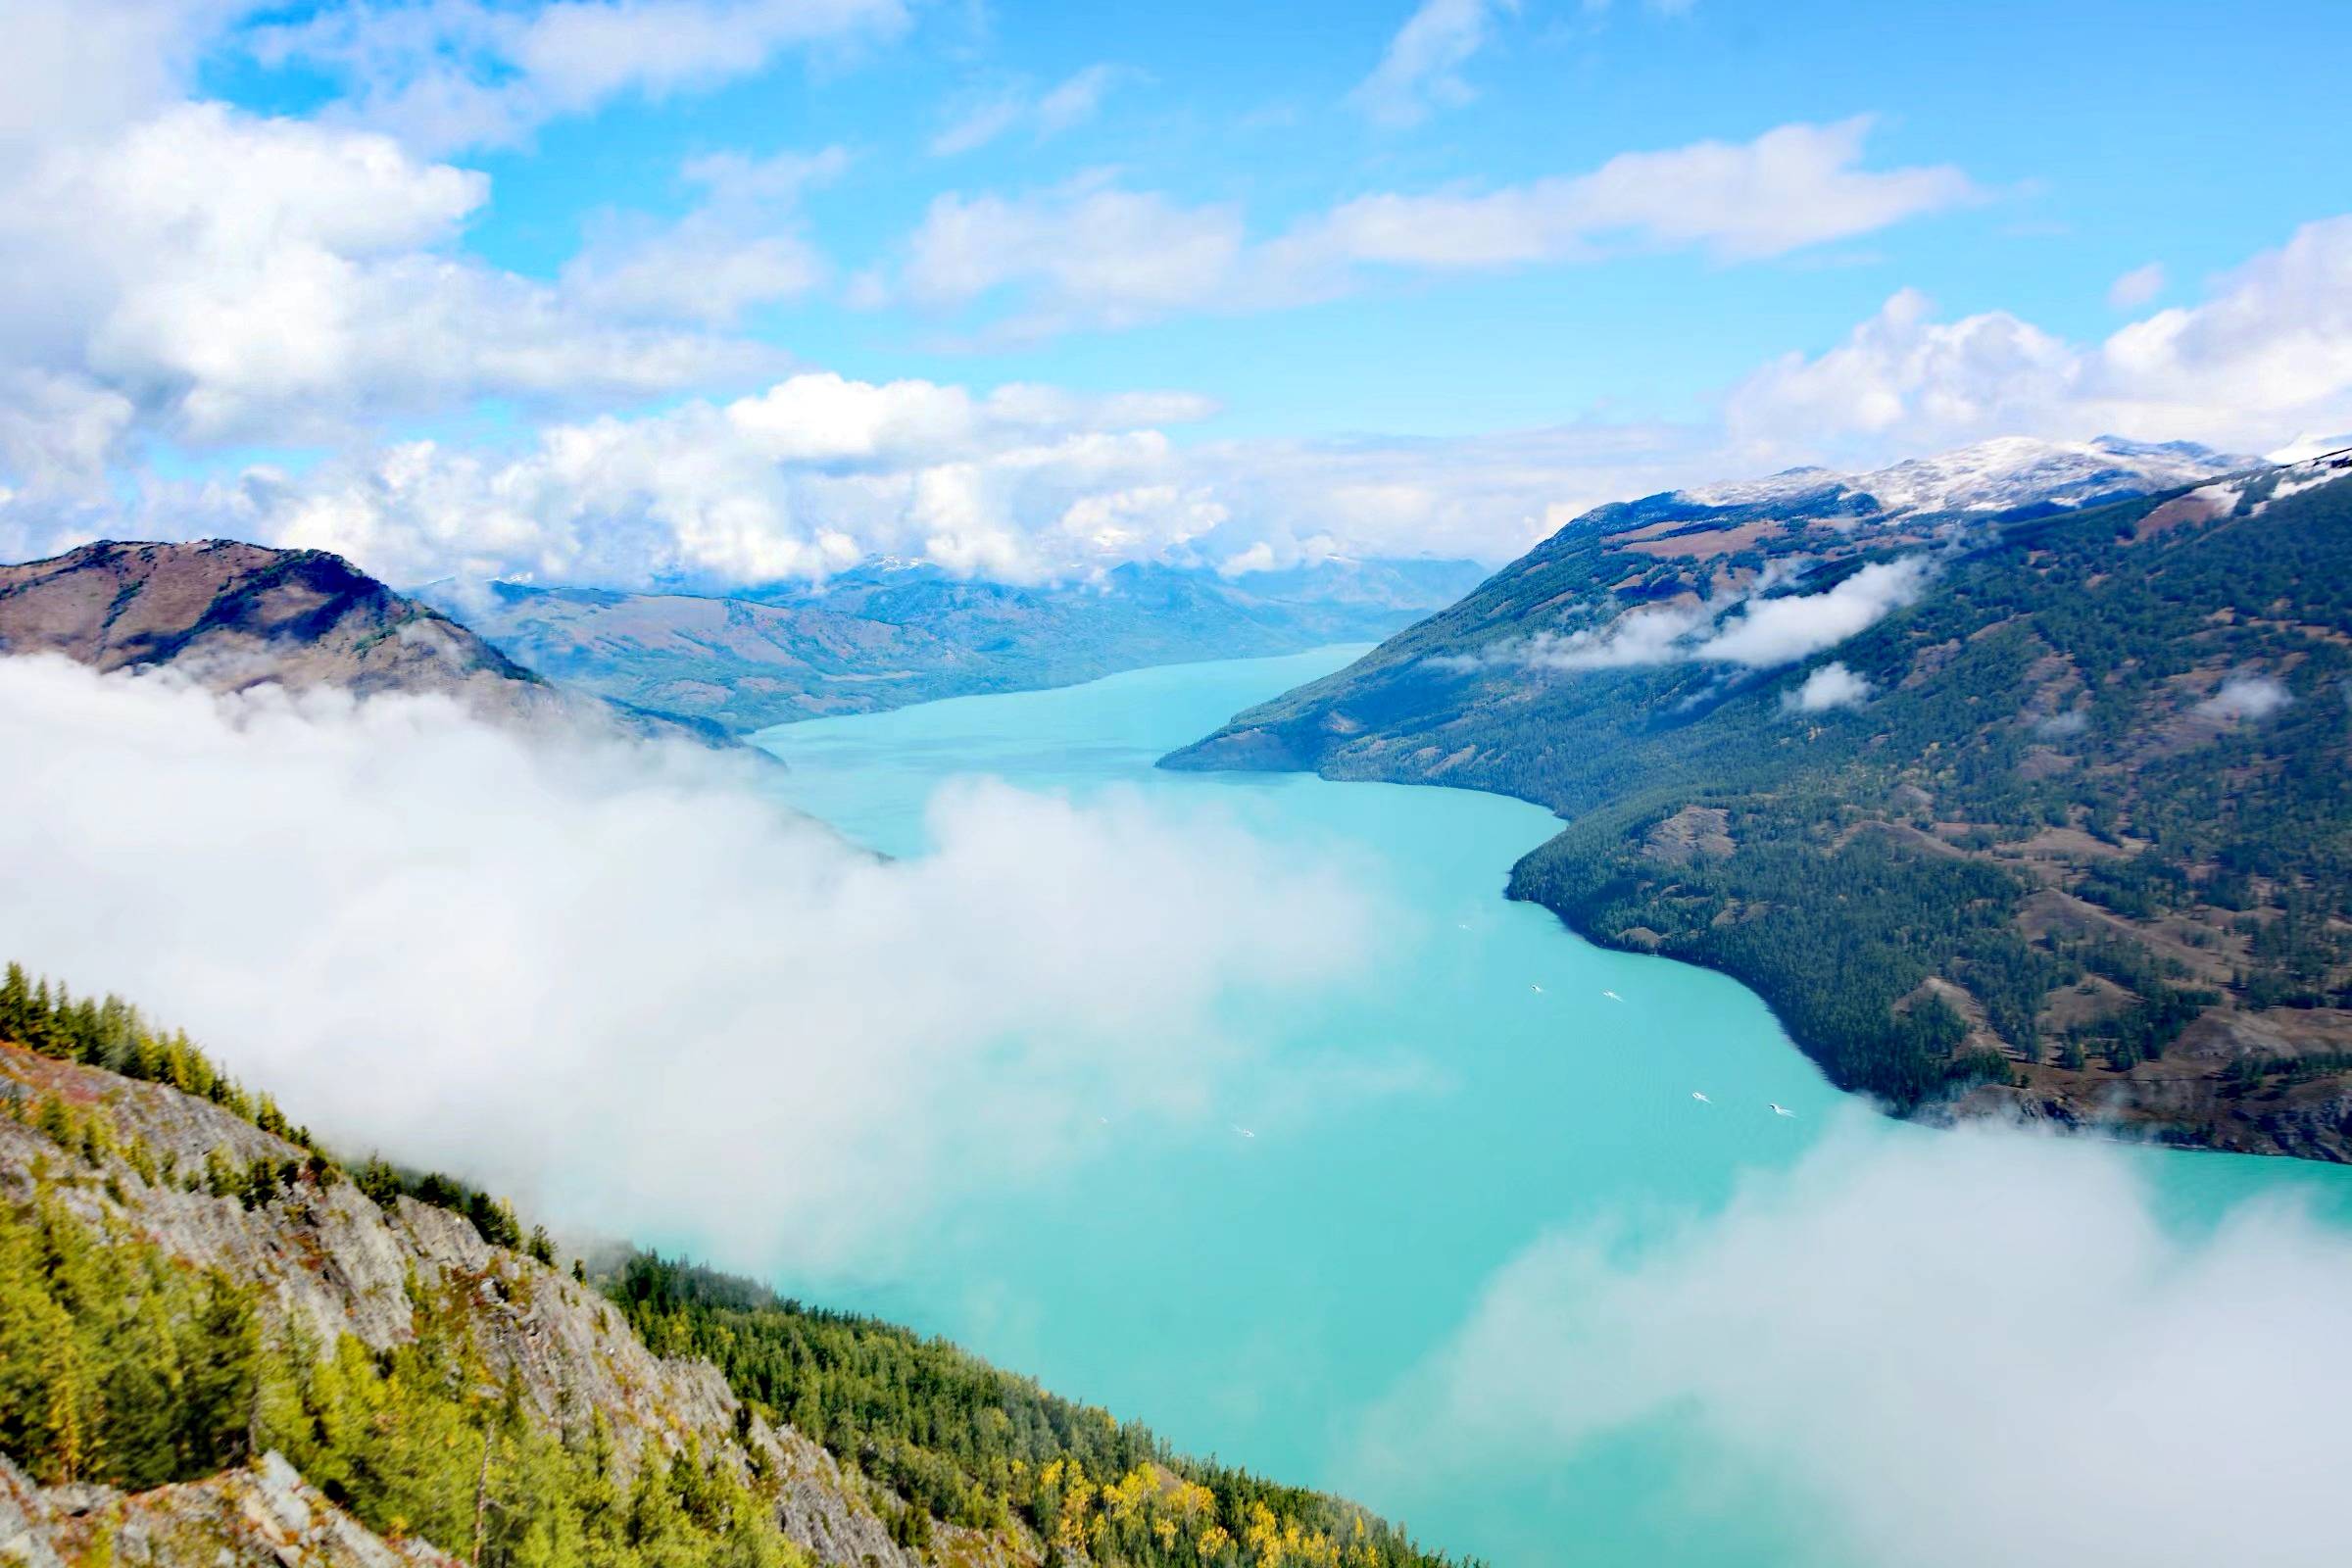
point(1254, 1297)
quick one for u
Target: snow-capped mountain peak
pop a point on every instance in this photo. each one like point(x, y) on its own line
point(2011, 471)
point(1994, 476)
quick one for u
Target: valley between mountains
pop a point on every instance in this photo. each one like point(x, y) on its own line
point(2014, 780)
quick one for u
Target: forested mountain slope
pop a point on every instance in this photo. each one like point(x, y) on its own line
point(232, 616)
point(2020, 805)
point(219, 1344)
point(888, 635)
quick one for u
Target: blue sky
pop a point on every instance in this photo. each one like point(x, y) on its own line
point(1389, 253)
point(2106, 136)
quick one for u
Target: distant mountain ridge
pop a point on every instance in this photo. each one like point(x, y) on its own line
point(888, 634)
point(230, 615)
point(1996, 797)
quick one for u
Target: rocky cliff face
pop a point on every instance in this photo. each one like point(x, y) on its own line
point(330, 1258)
point(230, 615)
point(266, 1516)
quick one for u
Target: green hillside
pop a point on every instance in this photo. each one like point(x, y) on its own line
point(189, 1282)
point(2084, 843)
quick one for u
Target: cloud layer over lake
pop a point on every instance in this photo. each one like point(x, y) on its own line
point(1936, 1351)
point(622, 982)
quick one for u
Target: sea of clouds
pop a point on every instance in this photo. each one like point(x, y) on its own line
point(622, 982)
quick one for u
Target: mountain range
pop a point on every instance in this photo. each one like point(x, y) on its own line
point(889, 633)
point(2015, 779)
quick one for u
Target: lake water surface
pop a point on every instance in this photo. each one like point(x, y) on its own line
point(1255, 1298)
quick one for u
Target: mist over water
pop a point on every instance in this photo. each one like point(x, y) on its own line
point(1347, 1268)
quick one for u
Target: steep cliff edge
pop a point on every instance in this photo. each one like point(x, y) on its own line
point(217, 1344)
point(147, 1166)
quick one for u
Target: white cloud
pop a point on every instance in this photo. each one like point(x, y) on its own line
point(450, 73)
point(73, 70)
point(1066, 105)
point(57, 435)
point(2269, 351)
point(818, 471)
point(1488, 497)
point(553, 969)
point(1793, 186)
point(2136, 287)
point(1783, 629)
point(797, 482)
point(1422, 67)
point(1833, 685)
point(322, 285)
point(1932, 1350)
point(1900, 370)
point(2246, 697)
point(1093, 253)
point(738, 248)
point(1085, 252)
point(1748, 625)
point(1075, 99)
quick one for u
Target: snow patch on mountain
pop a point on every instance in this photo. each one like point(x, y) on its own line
point(1995, 475)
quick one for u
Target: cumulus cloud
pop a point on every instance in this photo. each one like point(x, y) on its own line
point(451, 74)
point(2246, 697)
point(1092, 253)
point(1021, 482)
point(553, 969)
point(1422, 67)
point(1748, 625)
point(1939, 1350)
point(323, 285)
point(73, 70)
point(1833, 685)
point(800, 481)
point(2269, 350)
point(1064, 106)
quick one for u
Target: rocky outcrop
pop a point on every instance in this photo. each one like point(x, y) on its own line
point(265, 1515)
point(330, 1258)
